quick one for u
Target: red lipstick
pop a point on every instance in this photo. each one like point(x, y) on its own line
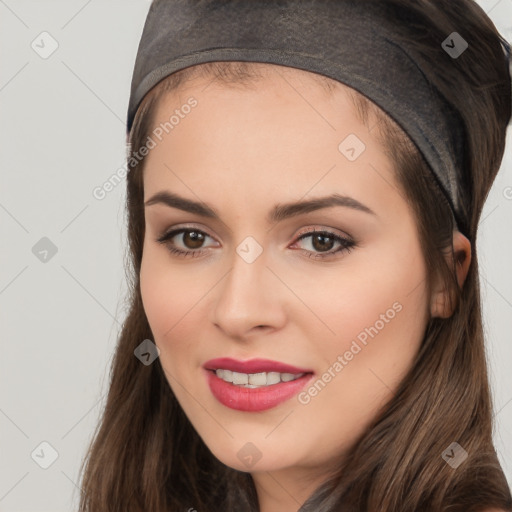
point(252, 366)
point(255, 399)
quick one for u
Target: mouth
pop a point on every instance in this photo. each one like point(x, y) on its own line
point(255, 380)
point(263, 385)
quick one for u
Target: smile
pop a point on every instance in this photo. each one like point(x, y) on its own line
point(255, 380)
point(253, 397)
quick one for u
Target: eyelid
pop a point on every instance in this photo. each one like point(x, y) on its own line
point(169, 234)
point(319, 228)
point(310, 229)
point(346, 244)
point(192, 227)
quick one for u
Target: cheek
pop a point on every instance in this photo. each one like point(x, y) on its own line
point(158, 295)
point(379, 323)
point(376, 311)
point(166, 300)
point(380, 302)
point(167, 294)
point(174, 302)
point(382, 289)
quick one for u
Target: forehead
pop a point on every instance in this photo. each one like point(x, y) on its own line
point(283, 134)
point(268, 96)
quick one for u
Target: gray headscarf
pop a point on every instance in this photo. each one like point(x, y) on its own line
point(351, 41)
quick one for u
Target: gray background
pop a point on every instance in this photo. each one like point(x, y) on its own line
point(62, 135)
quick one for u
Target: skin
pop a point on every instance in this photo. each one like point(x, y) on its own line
point(242, 151)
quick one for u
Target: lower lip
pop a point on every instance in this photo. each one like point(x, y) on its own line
point(254, 399)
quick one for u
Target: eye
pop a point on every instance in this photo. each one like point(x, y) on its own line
point(191, 241)
point(322, 241)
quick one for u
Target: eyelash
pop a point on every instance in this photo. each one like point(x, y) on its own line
point(346, 244)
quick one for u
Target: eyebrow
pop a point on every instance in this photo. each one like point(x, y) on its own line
point(277, 214)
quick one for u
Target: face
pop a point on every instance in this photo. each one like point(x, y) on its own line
point(335, 290)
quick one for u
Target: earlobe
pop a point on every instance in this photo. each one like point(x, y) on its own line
point(440, 306)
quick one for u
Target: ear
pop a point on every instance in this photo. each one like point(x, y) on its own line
point(440, 306)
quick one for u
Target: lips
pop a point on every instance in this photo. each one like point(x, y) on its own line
point(254, 400)
point(253, 366)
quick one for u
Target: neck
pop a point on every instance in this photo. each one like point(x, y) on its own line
point(285, 490)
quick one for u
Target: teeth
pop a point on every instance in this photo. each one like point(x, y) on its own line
point(273, 378)
point(258, 379)
point(255, 380)
point(226, 375)
point(239, 378)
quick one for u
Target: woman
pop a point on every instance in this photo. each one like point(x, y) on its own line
point(305, 332)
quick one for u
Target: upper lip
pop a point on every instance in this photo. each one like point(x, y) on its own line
point(252, 366)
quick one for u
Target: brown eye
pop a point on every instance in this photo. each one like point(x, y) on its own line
point(193, 239)
point(184, 241)
point(321, 244)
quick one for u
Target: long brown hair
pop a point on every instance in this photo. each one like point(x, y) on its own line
point(146, 455)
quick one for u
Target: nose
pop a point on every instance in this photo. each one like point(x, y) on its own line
point(250, 299)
